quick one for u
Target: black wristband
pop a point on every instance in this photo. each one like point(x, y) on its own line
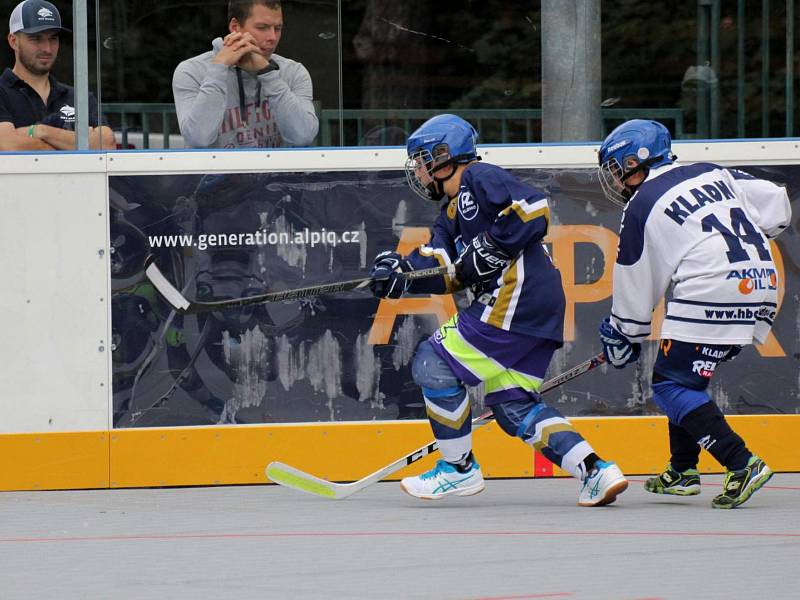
point(271, 66)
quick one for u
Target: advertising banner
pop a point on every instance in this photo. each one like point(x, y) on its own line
point(347, 356)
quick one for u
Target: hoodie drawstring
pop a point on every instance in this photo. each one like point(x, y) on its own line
point(241, 95)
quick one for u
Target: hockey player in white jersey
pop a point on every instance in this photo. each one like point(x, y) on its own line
point(705, 230)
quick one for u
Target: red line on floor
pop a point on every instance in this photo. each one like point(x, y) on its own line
point(333, 534)
point(527, 597)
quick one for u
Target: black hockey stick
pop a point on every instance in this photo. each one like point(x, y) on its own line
point(171, 294)
point(305, 482)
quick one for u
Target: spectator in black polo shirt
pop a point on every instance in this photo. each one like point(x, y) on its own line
point(37, 112)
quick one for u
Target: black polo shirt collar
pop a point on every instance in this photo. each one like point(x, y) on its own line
point(57, 89)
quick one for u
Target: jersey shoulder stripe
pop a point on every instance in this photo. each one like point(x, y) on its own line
point(642, 203)
point(737, 174)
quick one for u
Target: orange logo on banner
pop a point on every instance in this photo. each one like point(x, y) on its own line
point(564, 238)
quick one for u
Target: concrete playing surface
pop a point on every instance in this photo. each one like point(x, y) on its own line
point(520, 539)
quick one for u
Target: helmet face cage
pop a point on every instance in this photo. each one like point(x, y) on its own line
point(421, 167)
point(610, 174)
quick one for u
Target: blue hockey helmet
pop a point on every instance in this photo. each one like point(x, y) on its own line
point(439, 142)
point(632, 147)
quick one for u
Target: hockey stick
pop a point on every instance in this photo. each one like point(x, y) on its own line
point(305, 482)
point(171, 294)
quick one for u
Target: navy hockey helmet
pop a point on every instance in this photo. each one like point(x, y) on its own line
point(439, 142)
point(634, 146)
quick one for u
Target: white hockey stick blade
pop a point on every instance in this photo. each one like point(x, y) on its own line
point(165, 288)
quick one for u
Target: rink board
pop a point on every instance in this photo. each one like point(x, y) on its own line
point(57, 426)
point(228, 455)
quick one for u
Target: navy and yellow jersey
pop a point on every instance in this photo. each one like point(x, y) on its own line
point(528, 296)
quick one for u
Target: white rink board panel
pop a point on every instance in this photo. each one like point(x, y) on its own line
point(728, 153)
point(54, 300)
point(53, 162)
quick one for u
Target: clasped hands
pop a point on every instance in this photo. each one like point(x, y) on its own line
point(240, 49)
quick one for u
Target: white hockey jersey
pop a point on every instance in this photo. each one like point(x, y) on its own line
point(704, 229)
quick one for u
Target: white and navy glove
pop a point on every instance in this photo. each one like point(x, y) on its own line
point(619, 350)
point(387, 275)
point(481, 261)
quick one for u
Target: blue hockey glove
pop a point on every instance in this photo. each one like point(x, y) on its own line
point(481, 261)
point(618, 349)
point(386, 272)
point(732, 353)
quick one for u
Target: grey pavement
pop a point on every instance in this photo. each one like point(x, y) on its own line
point(519, 539)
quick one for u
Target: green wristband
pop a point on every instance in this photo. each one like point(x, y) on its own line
point(31, 130)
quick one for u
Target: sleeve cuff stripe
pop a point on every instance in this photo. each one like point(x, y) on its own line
point(621, 320)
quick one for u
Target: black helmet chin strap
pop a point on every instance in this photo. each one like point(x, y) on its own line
point(645, 164)
point(460, 158)
point(642, 166)
point(435, 190)
point(436, 187)
point(628, 189)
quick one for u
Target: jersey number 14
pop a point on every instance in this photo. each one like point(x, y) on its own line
point(743, 232)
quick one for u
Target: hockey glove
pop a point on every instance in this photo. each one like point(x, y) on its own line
point(732, 353)
point(619, 350)
point(481, 261)
point(386, 273)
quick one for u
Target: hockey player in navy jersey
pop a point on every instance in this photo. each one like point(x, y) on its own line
point(491, 226)
point(706, 230)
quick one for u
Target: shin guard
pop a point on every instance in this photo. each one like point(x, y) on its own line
point(546, 429)
point(446, 403)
